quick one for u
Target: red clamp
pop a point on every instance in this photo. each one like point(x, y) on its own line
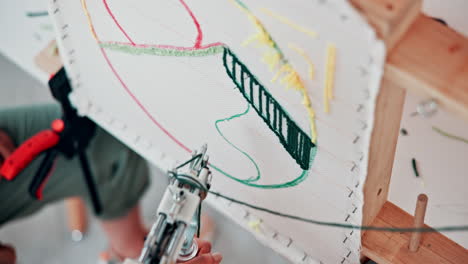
point(30, 149)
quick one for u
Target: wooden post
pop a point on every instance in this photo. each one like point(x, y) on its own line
point(391, 20)
point(387, 118)
point(419, 214)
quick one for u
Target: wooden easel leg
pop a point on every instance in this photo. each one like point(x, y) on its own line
point(77, 218)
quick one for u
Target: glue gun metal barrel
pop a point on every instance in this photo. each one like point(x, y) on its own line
point(171, 237)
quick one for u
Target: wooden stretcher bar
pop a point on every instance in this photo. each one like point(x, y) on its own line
point(430, 59)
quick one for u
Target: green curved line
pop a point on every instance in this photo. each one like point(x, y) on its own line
point(249, 182)
point(292, 183)
point(234, 146)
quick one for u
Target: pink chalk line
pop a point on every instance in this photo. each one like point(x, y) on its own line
point(198, 42)
point(137, 101)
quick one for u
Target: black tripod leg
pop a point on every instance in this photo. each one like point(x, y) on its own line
point(38, 183)
point(90, 183)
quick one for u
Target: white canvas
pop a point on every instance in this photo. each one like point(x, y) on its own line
point(147, 73)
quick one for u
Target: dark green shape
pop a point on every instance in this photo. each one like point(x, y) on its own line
point(415, 167)
point(296, 142)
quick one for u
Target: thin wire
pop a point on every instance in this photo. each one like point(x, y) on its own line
point(342, 225)
point(451, 136)
point(188, 161)
point(199, 219)
point(189, 180)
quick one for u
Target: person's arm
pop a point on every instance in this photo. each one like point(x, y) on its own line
point(6, 146)
point(125, 234)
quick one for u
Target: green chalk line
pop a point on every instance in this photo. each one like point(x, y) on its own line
point(133, 50)
point(242, 4)
point(451, 136)
point(253, 179)
point(250, 182)
point(292, 183)
point(37, 14)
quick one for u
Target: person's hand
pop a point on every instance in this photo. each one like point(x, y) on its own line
point(6, 146)
point(204, 254)
point(7, 254)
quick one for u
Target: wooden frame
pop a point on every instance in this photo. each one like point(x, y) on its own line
point(431, 59)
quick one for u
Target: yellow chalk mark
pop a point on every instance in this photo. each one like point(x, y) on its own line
point(88, 18)
point(329, 76)
point(306, 57)
point(255, 225)
point(262, 36)
point(274, 58)
point(288, 22)
point(289, 77)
